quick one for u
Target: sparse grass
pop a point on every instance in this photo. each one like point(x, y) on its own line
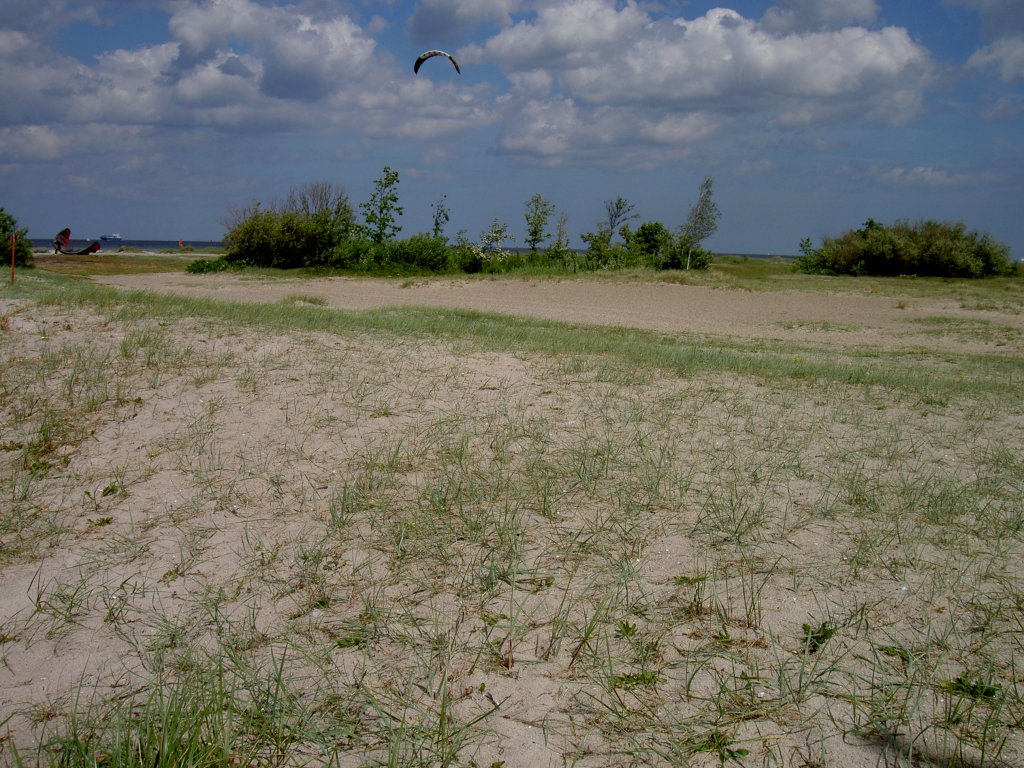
point(294, 536)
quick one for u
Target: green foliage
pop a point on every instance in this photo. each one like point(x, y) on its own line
point(653, 241)
point(22, 251)
point(304, 231)
point(926, 248)
point(206, 266)
point(441, 216)
point(381, 211)
point(701, 223)
point(618, 212)
point(538, 213)
point(421, 253)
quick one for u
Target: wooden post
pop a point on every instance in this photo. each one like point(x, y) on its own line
point(14, 237)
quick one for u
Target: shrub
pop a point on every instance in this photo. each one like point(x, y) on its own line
point(205, 266)
point(22, 250)
point(304, 231)
point(926, 248)
point(652, 241)
point(422, 252)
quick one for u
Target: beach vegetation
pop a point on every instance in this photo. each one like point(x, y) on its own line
point(301, 231)
point(382, 211)
point(701, 223)
point(287, 534)
point(925, 248)
point(618, 213)
point(9, 228)
point(538, 214)
point(206, 266)
point(441, 215)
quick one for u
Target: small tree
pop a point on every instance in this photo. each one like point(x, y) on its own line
point(321, 199)
point(702, 222)
point(652, 242)
point(538, 213)
point(381, 211)
point(22, 250)
point(560, 248)
point(441, 216)
point(492, 242)
point(618, 211)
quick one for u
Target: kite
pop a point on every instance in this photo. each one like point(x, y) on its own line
point(428, 54)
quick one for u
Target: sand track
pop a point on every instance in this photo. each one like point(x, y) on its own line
point(835, 319)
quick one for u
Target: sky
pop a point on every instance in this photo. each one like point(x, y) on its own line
point(158, 119)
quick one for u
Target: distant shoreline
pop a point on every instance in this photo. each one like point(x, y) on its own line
point(39, 243)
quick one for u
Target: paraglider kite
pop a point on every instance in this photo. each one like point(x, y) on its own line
point(428, 54)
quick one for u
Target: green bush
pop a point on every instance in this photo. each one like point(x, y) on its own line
point(926, 248)
point(305, 231)
point(22, 250)
point(205, 266)
point(422, 252)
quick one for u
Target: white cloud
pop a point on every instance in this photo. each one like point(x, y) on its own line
point(302, 59)
point(443, 22)
point(607, 61)
point(1005, 56)
point(30, 143)
point(795, 15)
point(998, 17)
point(922, 176)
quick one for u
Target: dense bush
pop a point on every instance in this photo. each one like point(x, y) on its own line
point(304, 231)
point(283, 239)
point(926, 248)
point(205, 266)
point(22, 250)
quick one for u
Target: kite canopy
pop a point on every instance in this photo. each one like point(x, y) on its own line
point(428, 54)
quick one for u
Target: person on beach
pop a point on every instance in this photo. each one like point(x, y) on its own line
point(60, 242)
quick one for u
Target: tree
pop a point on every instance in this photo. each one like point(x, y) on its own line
point(560, 248)
point(618, 211)
point(538, 213)
point(381, 211)
point(702, 222)
point(22, 250)
point(652, 240)
point(492, 241)
point(319, 198)
point(441, 216)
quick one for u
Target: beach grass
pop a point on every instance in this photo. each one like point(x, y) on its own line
point(290, 535)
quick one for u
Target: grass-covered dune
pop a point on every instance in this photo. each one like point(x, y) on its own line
point(288, 534)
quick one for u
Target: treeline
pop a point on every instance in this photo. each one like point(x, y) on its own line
point(925, 248)
point(316, 226)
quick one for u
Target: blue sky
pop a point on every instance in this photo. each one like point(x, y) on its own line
point(157, 118)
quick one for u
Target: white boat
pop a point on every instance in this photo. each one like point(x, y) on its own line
point(111, 238)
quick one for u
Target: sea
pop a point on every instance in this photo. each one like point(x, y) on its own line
point(77, 244)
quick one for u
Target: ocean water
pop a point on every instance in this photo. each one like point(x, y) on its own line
point(77, 244)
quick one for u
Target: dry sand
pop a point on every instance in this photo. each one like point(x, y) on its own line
point(853, 320)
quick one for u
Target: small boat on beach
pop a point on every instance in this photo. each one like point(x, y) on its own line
point(114, 238)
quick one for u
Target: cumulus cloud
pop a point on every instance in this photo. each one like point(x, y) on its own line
point(578, 64)
point(999, 18)
point(808, 15)
point(1005, 56)
point(922, 176)
point(447, 22)
point(302, 59)
point(1002, 22)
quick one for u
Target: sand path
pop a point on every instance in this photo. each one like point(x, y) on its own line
point(843, 319)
